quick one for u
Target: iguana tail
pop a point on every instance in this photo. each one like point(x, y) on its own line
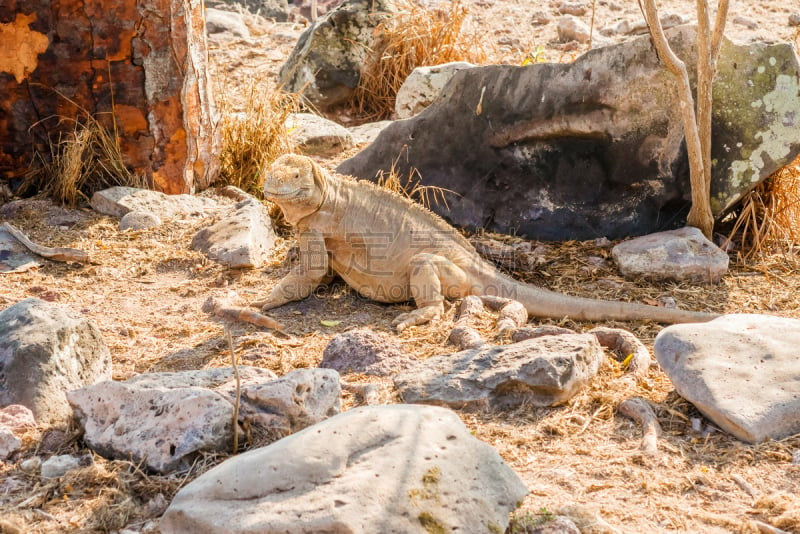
point(545, 303)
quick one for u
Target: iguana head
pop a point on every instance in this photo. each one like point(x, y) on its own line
point(297, 185)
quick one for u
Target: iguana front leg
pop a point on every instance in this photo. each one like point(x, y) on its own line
point(304, 277)
point(431, 278)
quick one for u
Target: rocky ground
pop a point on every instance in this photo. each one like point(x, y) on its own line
point(145, 290)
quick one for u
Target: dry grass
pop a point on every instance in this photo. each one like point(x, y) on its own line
point(768, 219)
point(255, 136)
point(412, 188)
point(415, 36)
point(80, 162)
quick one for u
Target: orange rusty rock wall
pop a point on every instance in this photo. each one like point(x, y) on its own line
point(144, 59)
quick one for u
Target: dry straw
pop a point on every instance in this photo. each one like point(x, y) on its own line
point(80, 162)
point(411, 186)
point(255, 136)
point(415, 36)
point(769, 217)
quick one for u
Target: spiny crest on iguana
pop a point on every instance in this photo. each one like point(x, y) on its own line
point(391, 249)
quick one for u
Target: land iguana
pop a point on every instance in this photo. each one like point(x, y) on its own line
point(391, 249)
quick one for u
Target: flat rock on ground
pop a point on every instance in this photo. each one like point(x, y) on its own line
point(119, 200)
point(741, 371)
point(382, 469)
point(165, 419)
point(542, 371)
point(366, 351)
point(683, 254)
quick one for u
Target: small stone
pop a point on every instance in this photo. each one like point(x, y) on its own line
point(572, 8)
point(365, 351)
point(218, 21)
point(31, 465)
point(46, 350)
point(423, 85)
point(683, 254)
point(540, 18)
point(57, 466)
point(118, 200)
point(318, 136)
point(571, 28)
point(364, 134)
point(137, 220)
point(16, 417)
point(750, 24)
point(796, 457)
point(9, 443)
point(794, 19)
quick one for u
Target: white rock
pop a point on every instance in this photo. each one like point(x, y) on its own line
point(218, 21)
point(9, 443)
point(542, 371)
point(31, 465)
point(17, 416)
point(161, 419)
point(571, 28)
point(45, 351)
point(166, 419)
point(118, 200)
point(682, 254)
point(57, 466)
point(364, 134)
point(572, 8)
point(138, 220)
point(388, 469)
point(423, 85)
point(740, 371)
point(317, 135)
point(242, 240)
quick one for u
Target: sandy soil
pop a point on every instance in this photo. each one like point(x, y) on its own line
point(146, 289)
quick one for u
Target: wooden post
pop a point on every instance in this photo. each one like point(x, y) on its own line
point(139, 67)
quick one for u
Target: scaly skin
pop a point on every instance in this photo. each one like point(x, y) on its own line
point(391, 249)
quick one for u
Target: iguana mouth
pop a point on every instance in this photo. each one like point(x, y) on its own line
point(288, 194)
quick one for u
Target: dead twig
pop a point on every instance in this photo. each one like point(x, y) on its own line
point(51, 253)
point(238, 400)
point(640, 411)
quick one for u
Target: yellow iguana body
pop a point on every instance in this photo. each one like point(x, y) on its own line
point(391, 249)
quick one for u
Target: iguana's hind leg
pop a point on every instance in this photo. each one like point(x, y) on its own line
point(431, 279)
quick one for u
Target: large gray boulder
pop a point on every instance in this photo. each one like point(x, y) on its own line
point(388, 469)
point(325, 65)
point(740, 371)
point(543, 371)
point(47, 350)
point(593, 148)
